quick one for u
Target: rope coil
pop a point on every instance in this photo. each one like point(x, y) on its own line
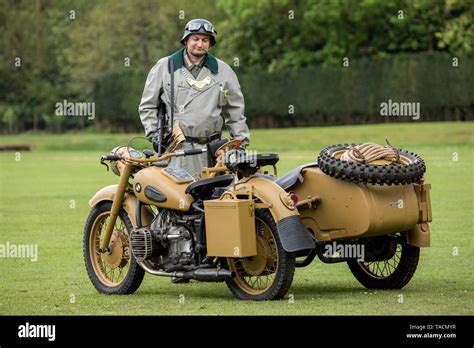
point(369, 152)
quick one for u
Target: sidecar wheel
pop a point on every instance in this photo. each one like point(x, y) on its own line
point(116, 272)
point(393, 273)
point(268, 275)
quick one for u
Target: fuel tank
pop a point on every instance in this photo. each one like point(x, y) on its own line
point(163, 187)
point(349, 210)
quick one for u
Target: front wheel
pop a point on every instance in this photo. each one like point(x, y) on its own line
point(394, 272)
point(114, 272)
point(267, 275)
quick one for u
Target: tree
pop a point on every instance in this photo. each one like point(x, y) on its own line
point(281, 34)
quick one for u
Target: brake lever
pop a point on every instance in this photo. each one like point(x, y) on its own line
point(103, 163)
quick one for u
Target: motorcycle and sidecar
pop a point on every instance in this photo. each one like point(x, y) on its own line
point(240, 225)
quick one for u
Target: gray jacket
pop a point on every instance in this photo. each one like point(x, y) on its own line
point(200, 112)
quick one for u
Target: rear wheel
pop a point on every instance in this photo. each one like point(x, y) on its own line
point(268, 275)
point(394, 272)
point(114, 272)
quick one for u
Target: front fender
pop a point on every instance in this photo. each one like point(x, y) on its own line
point(129, 204)
point(293, 235)
point(104, 194)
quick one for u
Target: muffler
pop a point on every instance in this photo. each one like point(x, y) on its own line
point(201, 274)
point(207, 274)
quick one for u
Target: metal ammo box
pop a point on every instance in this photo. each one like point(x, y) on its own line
point(230, 227)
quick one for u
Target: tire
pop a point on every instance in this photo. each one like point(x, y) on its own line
point(120, 260)
point(390, 174)
point(401, 267)
point(274, 271)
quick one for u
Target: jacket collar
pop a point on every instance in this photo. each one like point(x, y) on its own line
point(178, 61)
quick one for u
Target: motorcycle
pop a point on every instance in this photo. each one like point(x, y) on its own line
point(240, 225)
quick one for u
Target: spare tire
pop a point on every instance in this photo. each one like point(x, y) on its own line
point(410, 170)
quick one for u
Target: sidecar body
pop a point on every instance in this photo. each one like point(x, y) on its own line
point(348, 210)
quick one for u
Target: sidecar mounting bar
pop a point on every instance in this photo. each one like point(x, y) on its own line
point(310, 202)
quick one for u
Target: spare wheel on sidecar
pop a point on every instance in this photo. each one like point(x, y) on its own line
point(372, 164)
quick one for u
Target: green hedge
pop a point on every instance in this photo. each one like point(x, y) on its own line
point(117, 96)
point(322, 95)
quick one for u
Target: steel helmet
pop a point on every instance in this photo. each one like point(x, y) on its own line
point(199, 26)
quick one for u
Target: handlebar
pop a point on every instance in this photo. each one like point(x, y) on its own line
point(190, 152)
point(116, 157)
point(111, 157)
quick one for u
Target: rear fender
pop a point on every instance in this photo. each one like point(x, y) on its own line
point(129, 204)
point(293, 235)
point(419, 235)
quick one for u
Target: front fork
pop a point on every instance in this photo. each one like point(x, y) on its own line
point(116, 206)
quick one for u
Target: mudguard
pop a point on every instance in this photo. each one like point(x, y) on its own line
point(129, 204)
point(293, 235)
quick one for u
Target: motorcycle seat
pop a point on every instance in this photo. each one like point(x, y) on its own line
point(292, 177)
point(207, 186)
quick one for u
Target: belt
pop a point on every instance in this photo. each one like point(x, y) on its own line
point(203, 140)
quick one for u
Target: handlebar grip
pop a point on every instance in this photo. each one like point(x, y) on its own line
point(194, 152)
point(190, 152)
point(111, 157)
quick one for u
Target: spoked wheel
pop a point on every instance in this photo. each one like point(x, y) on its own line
point(114, 272)
point(268, 275)
point(392, 272)
point(409, 168)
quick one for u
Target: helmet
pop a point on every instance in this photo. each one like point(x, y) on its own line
point(199, 26)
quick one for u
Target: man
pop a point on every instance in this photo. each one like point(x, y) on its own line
point(206, 95)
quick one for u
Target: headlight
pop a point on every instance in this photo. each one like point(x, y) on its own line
point(117, 166)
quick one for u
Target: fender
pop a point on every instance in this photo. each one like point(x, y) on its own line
point(293, 235)
point(129, 204)
point(419, 235)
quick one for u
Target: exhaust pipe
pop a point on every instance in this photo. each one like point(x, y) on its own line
point(201, 274)
point(207, 274)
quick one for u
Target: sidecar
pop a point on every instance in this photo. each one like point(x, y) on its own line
point(373, 216)
point(347, 210)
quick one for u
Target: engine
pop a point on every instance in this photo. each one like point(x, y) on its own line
point(167, 238)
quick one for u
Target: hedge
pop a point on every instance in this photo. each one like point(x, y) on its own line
point(318, 95)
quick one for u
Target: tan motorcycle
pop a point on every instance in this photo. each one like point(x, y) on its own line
point(243, 226)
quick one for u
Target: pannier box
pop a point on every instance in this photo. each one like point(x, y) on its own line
point(230, 227)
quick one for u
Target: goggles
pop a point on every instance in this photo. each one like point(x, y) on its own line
point(208, 28)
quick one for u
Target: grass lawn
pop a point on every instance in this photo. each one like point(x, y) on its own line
point(43, 201)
